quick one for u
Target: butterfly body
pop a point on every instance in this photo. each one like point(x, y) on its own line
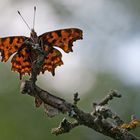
point(25, 49)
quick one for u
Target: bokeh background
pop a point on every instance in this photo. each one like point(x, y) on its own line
point(107, 58)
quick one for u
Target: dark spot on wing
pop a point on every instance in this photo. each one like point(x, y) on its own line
point(11, 40)
point(16, 47)
point(59, 33)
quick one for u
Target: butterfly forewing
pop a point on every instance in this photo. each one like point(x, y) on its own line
point(63, 38)
point(10, 45)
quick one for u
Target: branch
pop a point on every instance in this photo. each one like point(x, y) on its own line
point(97, 120)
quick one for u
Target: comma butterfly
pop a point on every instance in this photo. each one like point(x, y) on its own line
point(25, 53)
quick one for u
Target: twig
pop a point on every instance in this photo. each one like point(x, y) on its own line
point(64, 127)
point(110, 96)
point(76, 98)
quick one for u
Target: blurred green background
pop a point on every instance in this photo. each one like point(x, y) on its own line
point(107, 58)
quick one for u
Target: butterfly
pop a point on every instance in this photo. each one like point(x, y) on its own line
point(25, 54)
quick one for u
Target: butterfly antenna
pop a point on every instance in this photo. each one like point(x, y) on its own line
point(24, 20)
point(34, 16)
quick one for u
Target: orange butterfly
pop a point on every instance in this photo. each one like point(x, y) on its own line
point(25, 49)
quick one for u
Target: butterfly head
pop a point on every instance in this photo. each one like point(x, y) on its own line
point(33, 34)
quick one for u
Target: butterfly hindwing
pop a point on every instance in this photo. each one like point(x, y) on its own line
point(10, 45)
point(52, 60)
point(21, 62)
point(63, 38)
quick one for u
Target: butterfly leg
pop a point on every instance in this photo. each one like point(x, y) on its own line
point(41, 43)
